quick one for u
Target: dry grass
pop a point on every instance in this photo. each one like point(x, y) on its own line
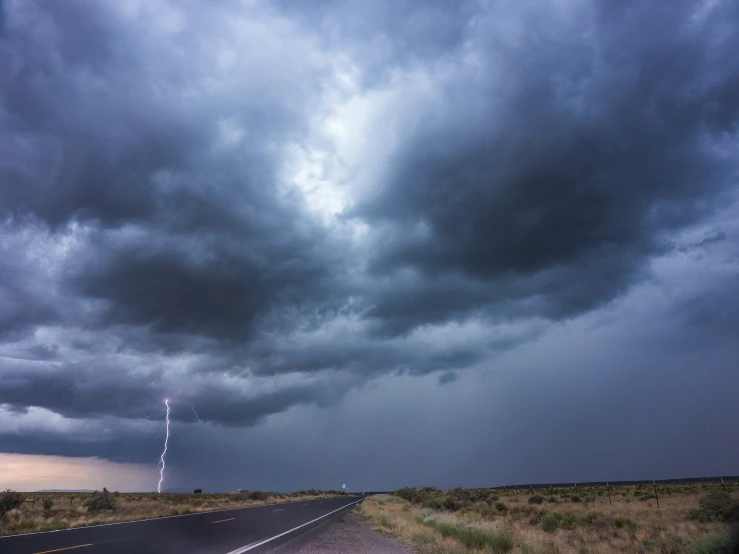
point(628, 525)
point(69, 509)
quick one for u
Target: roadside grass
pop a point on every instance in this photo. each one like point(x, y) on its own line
point(69, 510)
point(691, 519)
point(475, 537)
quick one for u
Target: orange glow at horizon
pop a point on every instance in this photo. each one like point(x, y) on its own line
point(30, 472)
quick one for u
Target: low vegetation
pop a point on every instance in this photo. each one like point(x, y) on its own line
point(691, 519)
point(10, 500)
point(32, 512)
point(98, 502)
point(716, 506)
point(257, 495)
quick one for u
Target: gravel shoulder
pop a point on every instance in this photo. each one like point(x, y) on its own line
point(353, 534)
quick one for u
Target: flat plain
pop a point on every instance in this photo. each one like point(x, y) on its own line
point(691, 518)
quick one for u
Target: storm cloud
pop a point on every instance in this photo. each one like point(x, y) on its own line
point(261, 209)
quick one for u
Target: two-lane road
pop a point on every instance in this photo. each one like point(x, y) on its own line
point(235, 531)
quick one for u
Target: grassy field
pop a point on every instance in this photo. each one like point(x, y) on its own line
point(32, 512)
point(691, 518)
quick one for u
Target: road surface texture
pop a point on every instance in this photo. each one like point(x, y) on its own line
point(351, 533)
point(252, 530)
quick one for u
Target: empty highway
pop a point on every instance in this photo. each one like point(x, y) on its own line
point(237, 531)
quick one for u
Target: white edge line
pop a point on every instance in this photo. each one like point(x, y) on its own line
point(150, 518)
point(265, 541)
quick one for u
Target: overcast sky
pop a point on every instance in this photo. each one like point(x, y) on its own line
point(369, 242)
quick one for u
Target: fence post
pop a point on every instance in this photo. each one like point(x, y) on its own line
point(722, 484)
point(609, 493)
point(655, 493)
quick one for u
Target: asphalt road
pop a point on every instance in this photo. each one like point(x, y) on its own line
point(236, 531)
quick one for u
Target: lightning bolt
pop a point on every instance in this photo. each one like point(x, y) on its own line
point(161, 458)
point(202, 425)
point(196, 415)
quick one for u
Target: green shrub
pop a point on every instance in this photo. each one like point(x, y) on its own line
point(475, 495)
point(575, 498)
point(436, 503)
point(10, 500)
point(536, 499)
point(501, 507)
point(734, 539)
point(406, 493)
point(733, 513)
point(553, 499)
point(625, 522)
point(48, 503)
point(451, 504)
point(713, 544)
point(564, 521)
point(589, 498)
point(385, 521)
point(715, 506)
point(101, 501)
point(501, 541)
point(411, 494)
point(257, 495)
point(549, 523)
point(474, 537)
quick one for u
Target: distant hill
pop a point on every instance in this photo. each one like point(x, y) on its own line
point(66, 490)
point(182, 489)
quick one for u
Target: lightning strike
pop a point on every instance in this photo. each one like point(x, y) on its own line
point(202, 426)
point(161, 458)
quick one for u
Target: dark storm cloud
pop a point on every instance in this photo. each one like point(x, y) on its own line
point(77, 390)
point(83, 139)
point(117, 443)
point(20, 309)
point(540, 159)
point(207, 287)
point(96, 389)
point(363, 356)
point(27, 295)
point(566, 183)
point(106, 148)
point(448, 377)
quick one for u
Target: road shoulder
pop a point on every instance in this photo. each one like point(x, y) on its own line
point(351, 532)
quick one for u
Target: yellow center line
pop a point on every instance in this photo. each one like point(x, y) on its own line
point(67, 548)
point(222, 520)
